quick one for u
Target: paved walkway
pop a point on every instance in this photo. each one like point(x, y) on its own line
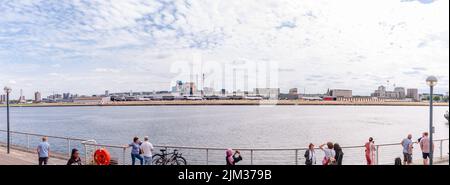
point(17, 157)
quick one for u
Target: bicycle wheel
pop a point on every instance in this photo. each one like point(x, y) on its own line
point(180, 160)
point(158, 159)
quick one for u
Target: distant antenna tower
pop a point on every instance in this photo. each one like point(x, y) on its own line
point(196, 80)
point(203, 84)
point(387, 87)
point(21, 98)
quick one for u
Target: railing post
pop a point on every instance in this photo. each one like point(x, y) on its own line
point(85, 153)
point(251, 157)
point(440, 147)
point(28, 142)
point(378, 147)
point(123, 156)
point(296, 157)
point(68, 147)
point(207, 156)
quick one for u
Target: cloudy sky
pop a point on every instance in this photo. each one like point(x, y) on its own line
point(85, 46)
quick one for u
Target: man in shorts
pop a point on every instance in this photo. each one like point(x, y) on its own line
point(43, 151)
point(407, 145)
point(425, 146)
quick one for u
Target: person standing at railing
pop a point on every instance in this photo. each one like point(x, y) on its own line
point(329, 153)
point(74, 158)
point(407, 145)
point(43, 151)
point(310, 155)
point(231, 158)
point(339, 155)
point(370, 152)
point(136, 151)
point(147, 149)
point(424, 143)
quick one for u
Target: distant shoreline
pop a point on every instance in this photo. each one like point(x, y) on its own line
point(230, 103)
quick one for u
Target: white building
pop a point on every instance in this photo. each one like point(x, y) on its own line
point(401, 92)
point(398, 93)
point(342, 93)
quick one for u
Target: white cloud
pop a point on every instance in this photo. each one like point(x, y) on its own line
point(357, 44)
point(106, 70)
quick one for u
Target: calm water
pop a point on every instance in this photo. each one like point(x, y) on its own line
point(230, 126)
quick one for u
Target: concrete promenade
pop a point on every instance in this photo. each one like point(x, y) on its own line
point(19, 157)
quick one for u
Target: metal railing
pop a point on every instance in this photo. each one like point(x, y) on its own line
point(32, 139)
point(216, 156)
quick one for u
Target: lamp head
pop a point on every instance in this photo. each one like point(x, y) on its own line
point(432, 81)
point(7, 90)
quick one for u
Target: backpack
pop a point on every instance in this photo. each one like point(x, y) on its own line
point(398, 161)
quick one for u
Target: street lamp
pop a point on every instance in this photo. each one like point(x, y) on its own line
point(7, 91)
point(431, 81)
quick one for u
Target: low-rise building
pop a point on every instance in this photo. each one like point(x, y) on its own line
point(270, 93)
point(293, 91)
point(91, 100)
point(37, 97)
point(413, 94)
point(400, 92)
point(381, 92)
point(289, 96)
point(3, 98)
point(342, 93)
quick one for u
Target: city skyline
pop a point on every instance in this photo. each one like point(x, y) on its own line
point(88, 47)
point(397, 92)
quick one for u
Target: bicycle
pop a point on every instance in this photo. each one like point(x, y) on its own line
point(163, 158)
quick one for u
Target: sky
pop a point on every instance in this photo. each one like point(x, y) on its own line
point(87, 46)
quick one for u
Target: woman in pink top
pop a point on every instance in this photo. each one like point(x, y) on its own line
point(370, 152)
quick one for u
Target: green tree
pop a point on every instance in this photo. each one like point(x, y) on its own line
point(436, 98)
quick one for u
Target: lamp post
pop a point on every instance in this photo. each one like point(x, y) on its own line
point(431, 81)
point(7, 91)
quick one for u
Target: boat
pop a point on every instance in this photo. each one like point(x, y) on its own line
point(446, 115)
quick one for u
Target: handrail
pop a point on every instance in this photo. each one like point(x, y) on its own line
point(42, 135)
point(124, 148)
point(203, 148)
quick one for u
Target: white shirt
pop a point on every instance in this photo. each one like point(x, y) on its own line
point(146, 148)
point(329, 153)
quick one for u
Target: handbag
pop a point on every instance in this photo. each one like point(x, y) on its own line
point(325, 161)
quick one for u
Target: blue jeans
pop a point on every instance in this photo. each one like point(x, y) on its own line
point(147, 160)
point(133, 159)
